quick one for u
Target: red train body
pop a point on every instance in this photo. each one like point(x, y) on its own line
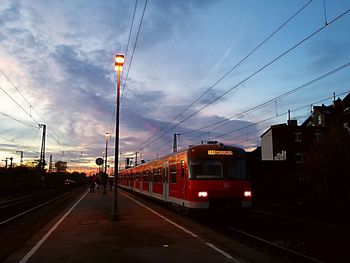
point(200, 177)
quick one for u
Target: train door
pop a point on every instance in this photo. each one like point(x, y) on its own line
point(166, 181)
point(151, 180)
point(129, 179)
point(182, 179)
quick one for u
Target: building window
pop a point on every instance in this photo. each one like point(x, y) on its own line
point(299, 158)
point(297, 136)
point(317, 136)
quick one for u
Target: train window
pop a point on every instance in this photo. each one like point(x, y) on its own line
point(157, 175)
point(206, 169)
point(145, 176)
point(173, 173)
point(236, 169)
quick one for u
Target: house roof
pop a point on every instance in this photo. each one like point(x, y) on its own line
point(277, 126)
point(326, 110)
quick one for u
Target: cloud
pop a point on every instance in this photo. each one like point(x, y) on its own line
point(328, 53)
point(8, 13)
point(168, 21)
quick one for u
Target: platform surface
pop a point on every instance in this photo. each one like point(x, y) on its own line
point(87, 234)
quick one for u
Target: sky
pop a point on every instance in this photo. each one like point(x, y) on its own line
point(206, 70)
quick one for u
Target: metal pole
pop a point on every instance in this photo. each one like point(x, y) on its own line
point(21, 152)
point(115, 215)
point(42, 152)
point(106, 154)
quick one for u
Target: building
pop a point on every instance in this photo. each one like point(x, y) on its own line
point(61, 167)
point(337, 114)
point(288, 142)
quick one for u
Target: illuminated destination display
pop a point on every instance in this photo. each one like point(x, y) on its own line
point(216, 152)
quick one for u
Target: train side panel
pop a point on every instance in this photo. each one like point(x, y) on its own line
point(169, 179)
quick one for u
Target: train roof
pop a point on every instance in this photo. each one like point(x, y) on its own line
point(216, 146)
point(201, 147)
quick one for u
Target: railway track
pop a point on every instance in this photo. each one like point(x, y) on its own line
point(298, 256)
point(250, 229)
point(14, 208)
point(302, 240)
point(22, 217)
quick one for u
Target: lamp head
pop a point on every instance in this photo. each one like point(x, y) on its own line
point(119, 62)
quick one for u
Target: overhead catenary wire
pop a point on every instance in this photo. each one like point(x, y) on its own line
point(261, 105)
point(112, 126)
point(16, 142)
point(10, 81)
point(26, 100)
point(126, 55)
point(21, 107)
point(279, 115)
point(249, 77)
point(229, 71)
point(325, 12)
point(134, 48)
point(262, 121)
point(17, 120)
point(266, 65)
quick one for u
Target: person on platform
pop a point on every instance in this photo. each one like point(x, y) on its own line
point(104, 179)
point(98, 181)
point(92, 183)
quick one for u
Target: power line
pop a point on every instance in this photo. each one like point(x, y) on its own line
point(133, 51)
point(31, 107)
point(9, 80)
point(127, 46)
point(19, 105)
point(260, 106)
point(265, 120)
point(126, 54)
point(17, 143)
point(230, 70)
point(249, 77)
point(279, 115)
point(13, 118)
point(247, 56)
point(265, 66)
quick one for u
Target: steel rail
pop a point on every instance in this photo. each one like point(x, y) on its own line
point(290, 251)
point(34, 208)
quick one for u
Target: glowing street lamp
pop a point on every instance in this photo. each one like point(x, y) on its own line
point(119, 62)
point(118, 65)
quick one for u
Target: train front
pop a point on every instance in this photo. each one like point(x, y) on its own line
point(217, 177)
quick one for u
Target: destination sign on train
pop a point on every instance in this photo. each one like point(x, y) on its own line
point(217, 152)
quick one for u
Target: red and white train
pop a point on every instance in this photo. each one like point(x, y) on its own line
point(200, 177)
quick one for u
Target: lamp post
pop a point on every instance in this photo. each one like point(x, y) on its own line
point(107, 134)
point(118, 65)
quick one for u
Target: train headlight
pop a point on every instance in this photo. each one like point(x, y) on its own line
point(247, 194)
point(203, 194)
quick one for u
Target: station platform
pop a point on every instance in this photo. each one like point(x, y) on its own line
point(86, 233)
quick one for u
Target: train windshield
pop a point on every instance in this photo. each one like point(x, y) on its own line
point(206, 169)
point(217, 169)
